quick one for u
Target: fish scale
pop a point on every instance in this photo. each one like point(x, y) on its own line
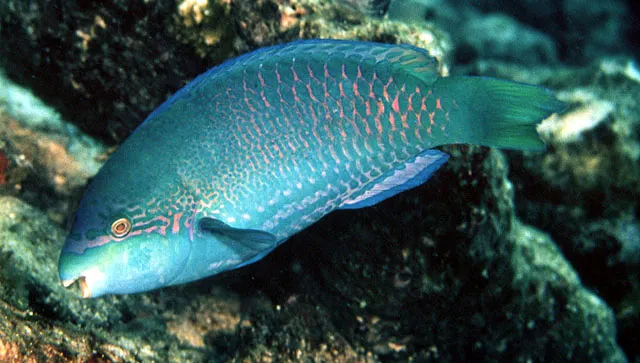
point(264, 145)
point(309, 121)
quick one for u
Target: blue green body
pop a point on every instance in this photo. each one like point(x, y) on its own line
point(263, 146)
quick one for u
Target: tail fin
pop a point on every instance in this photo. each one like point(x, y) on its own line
point(500, 113)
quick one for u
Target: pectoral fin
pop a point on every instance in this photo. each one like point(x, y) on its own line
point(244, 240)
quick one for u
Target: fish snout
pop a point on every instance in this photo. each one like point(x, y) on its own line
point(137, 264)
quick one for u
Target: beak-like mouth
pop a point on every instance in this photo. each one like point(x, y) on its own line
point(82, 282)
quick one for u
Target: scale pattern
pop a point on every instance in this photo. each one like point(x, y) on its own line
point(283, 136)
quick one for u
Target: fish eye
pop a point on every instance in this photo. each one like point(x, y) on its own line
point(120, 227)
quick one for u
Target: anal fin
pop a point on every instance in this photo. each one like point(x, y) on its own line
point(413, 173)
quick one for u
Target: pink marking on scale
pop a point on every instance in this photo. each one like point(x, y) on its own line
point(356, 148)
point(378, 115)
point(291, 145)
point(341, 108)
point(102, 240)
point(438, 104)
point(328, 131)
point(139, 215)
point(175, 227)
point(344, 74)
point(311, 73)
point(333, 153)
point(367, 105)
point(416, 131)
point(268, 153)
point(264, 99)
point(403, 135)
point(355, 89)
point(313, 98)
point(295, 164)
point(352, 119)
point(392, 121)
point(162, 229)
point(246, 99)
point(242, 134)
point(326, 71)
point(304, 141)
point(188, 224)
point(367, 146)
point(378, 124)
point(255, 125)
point(367, 129)
point(282, 101)
point(277, 149)
point(384, 89)
point(395, 105)
point(314, 116)
point(326, 92)
point(418, 119)
point(403, 117)
point(317, 137)
point(295, 75)
point(371, 93)
point(295, 93)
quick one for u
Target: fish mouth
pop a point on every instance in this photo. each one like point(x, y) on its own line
point(82, 282)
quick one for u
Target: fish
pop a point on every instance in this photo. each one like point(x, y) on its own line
point(264, 145)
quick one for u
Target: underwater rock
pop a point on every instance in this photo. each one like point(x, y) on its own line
point(40, 168)
point(585, 29)
point(43, 159)
point(477, 34)
point(501, 37)
point(105, 66)
point(369, 7)
point(584, 189)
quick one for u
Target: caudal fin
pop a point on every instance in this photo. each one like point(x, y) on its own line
point(500, 113)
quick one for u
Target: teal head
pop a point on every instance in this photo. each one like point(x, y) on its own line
point(128, 233)
point(117, 249)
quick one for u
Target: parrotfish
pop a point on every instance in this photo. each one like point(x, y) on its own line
point(264, 145)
